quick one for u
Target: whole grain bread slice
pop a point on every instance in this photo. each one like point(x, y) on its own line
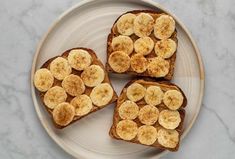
point(148, 82)
point(88, 90)
point(115, 33)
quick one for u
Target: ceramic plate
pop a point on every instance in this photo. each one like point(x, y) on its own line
point(88, 24)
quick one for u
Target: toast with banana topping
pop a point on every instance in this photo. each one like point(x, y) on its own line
point(73, 85)
point(143, 43)
point(150, 113)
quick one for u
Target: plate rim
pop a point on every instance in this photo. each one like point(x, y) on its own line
point(79, 4)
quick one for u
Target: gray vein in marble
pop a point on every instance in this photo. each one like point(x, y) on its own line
point(207, 7)
point(231, 137)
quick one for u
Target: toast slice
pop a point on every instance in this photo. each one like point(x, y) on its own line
point(141, 66)
point(84, 105)
point(155, 120)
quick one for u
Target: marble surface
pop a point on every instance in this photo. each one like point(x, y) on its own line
point(22, 24)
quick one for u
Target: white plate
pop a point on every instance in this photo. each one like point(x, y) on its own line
point(88, 24)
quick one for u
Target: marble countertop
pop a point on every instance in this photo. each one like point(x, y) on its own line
point(22, 24)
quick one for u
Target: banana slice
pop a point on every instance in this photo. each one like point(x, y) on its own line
point(139, 63)
point(143, 25)
point(93, 75)
point(63, 114)
point(135, 92)
point(122, 43)
point(154, 95)
point(165, 48)
point(148, 115)
point(125, 24)
point(158, 67)
point(43, 79)
point(168, 138)
point(60, 68)
point(79, 59)
point(119, 61)
point(169, 119)
point(164, 27)
point(54, 96)
point(82, 104)
point(147, 135)
point(127, 129)
point(73, 85)
point(128, 110)
point(173, 99)
point(144, 45)
point(101, 94)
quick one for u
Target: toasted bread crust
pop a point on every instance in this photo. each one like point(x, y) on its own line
point(114, 33)
point(165, 85)
point(88, 90)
